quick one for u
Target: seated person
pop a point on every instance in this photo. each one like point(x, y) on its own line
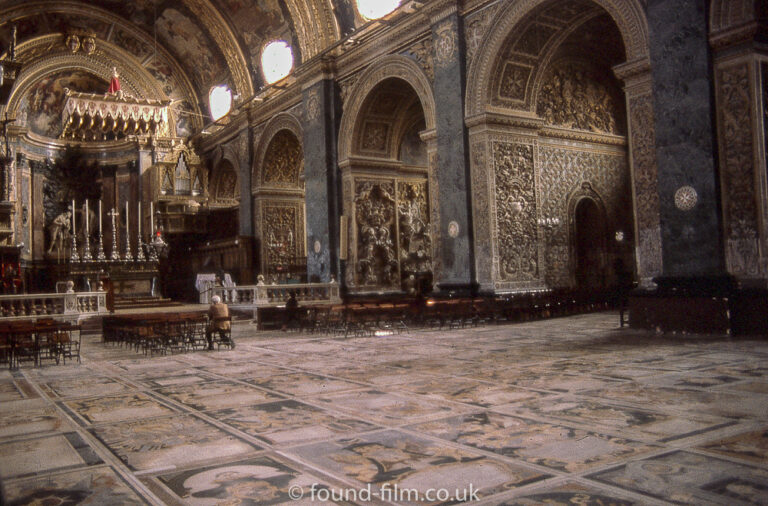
point(218, 315)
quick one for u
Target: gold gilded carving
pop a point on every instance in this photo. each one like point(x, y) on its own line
point(641, 120)
point(375, 136)
point(313, 106)
point(739, 172)
point(422, 52)
point(283, 160)
point(445, 43)
point(413, 218)
point(516, 211)
point(482, 211)
point(282, 225)
point(374, 217)
point(572, 98)
point(564, 172)
point(475, 28)
point(514, 81)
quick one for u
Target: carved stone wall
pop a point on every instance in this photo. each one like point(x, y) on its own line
point(738, 170)
point(283, 161)
point(414, 237)
point(376, 264)
point(481, 213)
point(574, 96)
point(563, 171)
point(283, 231)
point(517, 239)
point(643, 146)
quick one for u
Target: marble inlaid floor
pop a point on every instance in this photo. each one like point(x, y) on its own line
point(562, 411)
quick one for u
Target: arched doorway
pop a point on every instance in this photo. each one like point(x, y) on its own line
point(386, 194)
point(590, 246)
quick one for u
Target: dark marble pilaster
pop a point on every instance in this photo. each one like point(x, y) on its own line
point(322, 111)
point(456, 234)
point(244, 176)
point(682, 98)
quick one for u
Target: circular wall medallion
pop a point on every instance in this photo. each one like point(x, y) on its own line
point(686, 198)
point(313, 106)
point(453, 229)
point(317, 247)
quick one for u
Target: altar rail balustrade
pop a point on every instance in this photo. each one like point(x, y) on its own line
point(276, 295)
point(51, 304)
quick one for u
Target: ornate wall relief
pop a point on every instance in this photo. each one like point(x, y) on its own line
point(516, 211)
point(573, 96)
point(514, 81)
point(563, 172)
point(738, 171)
point(475, 27)
point(374, 136)
point(283, 160)
point(446, 43)
point(481, 212)
point(283, 232)
point(413, 228)
point(377, 263)
point(643, 146)
point(422, 52)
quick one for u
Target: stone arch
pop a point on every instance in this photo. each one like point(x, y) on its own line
point(386, 67)
point(628, 15)
point(283, 121)
point(725, 15)
point(224, 187)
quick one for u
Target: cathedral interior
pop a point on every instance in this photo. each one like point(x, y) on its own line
point(527, 158)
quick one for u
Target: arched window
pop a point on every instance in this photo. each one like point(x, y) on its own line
point(276, 61)
point(374, 9)
point(220, 101)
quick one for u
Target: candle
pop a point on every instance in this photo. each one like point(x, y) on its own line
point(74, 230)
point(127, 228)
point(139, 215)
point(99, 217)
point(151, 217)
point(87, 227)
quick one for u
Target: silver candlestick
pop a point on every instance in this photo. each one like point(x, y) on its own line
point(127, 256)
point(87, 246)
point(115, 256)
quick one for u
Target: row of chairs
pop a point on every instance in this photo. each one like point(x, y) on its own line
point(162, 333)
point(45, 339)
point(369, 318)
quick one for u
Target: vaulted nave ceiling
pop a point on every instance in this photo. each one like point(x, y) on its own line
point(170, 49)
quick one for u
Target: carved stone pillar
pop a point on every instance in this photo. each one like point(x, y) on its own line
point(741, 93)
point(322, 112)
point(456, 269)
point(642, 159)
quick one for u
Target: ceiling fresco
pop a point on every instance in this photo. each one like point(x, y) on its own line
point(40, 109)
point(185, 46)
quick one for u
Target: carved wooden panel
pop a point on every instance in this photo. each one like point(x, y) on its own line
point(515, 211)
